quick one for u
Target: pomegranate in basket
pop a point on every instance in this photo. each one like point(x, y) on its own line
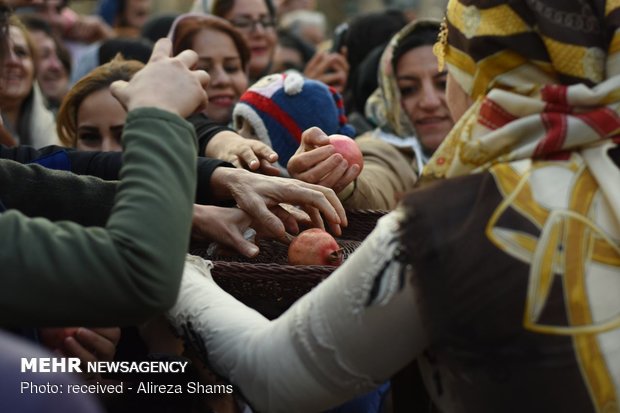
point(314, 247)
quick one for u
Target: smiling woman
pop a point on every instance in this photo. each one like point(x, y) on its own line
point(222, 52)
point(90, 118)
point(413, 119)
point(23, 111)
point(255, 20)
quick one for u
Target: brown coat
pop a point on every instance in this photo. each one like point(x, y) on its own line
point(388, 173)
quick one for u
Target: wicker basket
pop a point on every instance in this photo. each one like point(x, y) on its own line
point(267, 283)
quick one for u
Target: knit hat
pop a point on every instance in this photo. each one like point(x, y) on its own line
point(281, 106)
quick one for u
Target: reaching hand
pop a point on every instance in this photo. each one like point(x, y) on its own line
point(316, 162)
point(89, 345)
point(260, 197)
point(166, 83)
point(330, 68)
point(243, 153)
point(224, 225)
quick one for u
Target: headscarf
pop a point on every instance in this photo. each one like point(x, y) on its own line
point(383, 107)
point(545, 79)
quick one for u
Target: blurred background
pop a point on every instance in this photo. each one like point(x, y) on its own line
point(336, 11)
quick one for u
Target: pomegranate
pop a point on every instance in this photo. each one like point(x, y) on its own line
point(314, 247)
point(348, 148)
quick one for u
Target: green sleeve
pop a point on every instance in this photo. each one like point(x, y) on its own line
point(63, 273)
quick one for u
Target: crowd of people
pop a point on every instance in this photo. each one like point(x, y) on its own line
point(490, 139)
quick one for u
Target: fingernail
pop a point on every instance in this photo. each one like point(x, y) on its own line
point(253, 162)
point(252, 251)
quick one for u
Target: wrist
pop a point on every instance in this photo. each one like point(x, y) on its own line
point(221, 180)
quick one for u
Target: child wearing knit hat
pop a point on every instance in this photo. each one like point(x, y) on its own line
point(279, 107)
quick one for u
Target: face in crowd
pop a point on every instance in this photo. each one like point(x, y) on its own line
point(423, 95)
point(136, 13)
point(253, 20)
point(19, 70)
point(90, 118)
point(52, 75)
point(219, 56)
point(100, 122)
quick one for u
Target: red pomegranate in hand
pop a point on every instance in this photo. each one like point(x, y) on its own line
point(314, 247)
point(348, 148)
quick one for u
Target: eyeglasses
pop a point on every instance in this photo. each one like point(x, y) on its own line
point(247, 24)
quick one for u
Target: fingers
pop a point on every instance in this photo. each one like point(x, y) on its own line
point(188, 57)
point(321, 198)
point(334, 79)
point(315, 216)
point(298, 164)
point(255, 206)
point(251, 153)
point(337, 172)
point(246, 156)
point(316, 172)
point(266, 168)
point(263, 151)
point(71, 347)
point(313, 137)
point(350, 175)
point(289, 221)
point(117, 88)
point(242, 245)
point(101, 346)
point(299, 215)
point(161, 50)
point(111, 333)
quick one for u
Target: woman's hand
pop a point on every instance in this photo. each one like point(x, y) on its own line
point(330, 68)
point(89, 345)
point(261, 197)
point(243, 153)
point(317, 162)
point(223, 225)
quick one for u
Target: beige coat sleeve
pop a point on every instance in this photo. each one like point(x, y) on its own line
point(388, 173)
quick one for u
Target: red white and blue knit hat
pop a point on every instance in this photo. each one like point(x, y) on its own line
point(281, 106)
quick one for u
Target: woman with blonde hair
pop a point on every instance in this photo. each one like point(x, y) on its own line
point(23, 109)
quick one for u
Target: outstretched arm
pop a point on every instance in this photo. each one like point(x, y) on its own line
point(64, 273)
point(323, 350)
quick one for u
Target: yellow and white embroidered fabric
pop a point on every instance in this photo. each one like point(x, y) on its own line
point(545, 79)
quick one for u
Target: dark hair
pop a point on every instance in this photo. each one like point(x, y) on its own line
point(286, 38)
point(424, 34)
point(222, 7)
point(366, 80)
point(35, 23)
point(158, 26)
point(130, 49)
point(369, 31)
point(365, 32)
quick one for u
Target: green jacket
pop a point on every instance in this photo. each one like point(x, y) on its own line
point(119, 273)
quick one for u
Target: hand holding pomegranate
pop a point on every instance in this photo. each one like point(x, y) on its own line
point(333, 162)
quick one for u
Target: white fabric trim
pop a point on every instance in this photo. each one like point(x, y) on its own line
point(409, 142)
point(329, 346)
